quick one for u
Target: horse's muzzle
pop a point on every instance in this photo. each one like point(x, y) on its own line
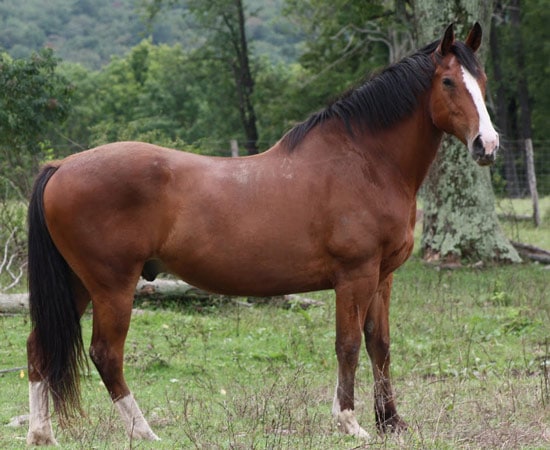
point(484, 153)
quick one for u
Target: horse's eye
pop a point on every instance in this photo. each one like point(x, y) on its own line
point(448, 82)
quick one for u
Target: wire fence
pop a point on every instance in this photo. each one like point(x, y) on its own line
point(510, 174)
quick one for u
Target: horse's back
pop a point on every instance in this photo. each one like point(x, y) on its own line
point(272, 223)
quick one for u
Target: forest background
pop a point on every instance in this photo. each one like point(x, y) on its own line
point(131, 70)
point(79, 73)
point(198, 76)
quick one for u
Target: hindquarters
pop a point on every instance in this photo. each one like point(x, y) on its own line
point(55, 349)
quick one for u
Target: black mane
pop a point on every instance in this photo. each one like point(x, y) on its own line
point(386, 98)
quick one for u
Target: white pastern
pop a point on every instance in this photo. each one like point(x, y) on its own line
point(346, 420)
point(486, 131)
point(40, 425)
point(136, 425)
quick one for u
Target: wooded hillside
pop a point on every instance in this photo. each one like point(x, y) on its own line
point(90, 32)
point(164, 71)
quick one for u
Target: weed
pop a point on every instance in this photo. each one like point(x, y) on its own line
point(469, 370)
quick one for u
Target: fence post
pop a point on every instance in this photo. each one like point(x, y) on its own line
point(532, 180)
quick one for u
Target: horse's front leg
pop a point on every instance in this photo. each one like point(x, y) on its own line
point(352, 301)
point(377, 338)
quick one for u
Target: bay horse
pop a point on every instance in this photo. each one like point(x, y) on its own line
point(330, 206)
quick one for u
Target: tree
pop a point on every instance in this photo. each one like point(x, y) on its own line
point(519, 59)
point(345, 41)
point(34, 98)
point(155, 93)
point(501, 85)
point(225, 39)
point(525, 109)
point(460, 222)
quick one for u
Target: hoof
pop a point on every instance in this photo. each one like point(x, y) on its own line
point(392, 424)
point(145, 436)
point(347, 423)
point(40, 439)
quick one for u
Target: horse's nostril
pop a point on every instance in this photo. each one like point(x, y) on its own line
point(478, 148)
point(480, 153)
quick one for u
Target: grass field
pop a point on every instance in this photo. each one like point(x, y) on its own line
point(470, 365)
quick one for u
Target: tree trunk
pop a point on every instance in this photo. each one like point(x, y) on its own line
point(502, 120)
point(460, 221)
point(244, 81)
point(523, 98)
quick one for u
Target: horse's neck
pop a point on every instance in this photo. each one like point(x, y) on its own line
point(410, 147)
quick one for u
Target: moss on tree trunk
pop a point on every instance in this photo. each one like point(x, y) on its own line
point(460, 221)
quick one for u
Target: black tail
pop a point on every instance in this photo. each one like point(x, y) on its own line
point(59, 350)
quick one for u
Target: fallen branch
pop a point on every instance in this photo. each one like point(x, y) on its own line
point(515, 217)
point(162, 289)
point(11, 303)
point(532, 252)
point(165, 288)
point(13, 369)
point(7, 262)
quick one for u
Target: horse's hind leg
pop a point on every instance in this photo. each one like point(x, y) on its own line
point(40, 426)
point(377, 338)
point(111, 320)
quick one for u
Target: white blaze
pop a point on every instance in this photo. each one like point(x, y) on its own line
point(486, 131)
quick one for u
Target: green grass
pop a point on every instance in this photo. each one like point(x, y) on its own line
point(470, 360)
point(470, 364)
point(524, 230)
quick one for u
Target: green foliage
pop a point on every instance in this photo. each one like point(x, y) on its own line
point(33, 99)
point(536, 53)
point(156, 93)
point(343, 43)
point(84, 31)
point(339, 43)
point(534, 29)
point(90, 32)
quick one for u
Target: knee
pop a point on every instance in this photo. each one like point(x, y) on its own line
point(379, 345)
point(102, 356)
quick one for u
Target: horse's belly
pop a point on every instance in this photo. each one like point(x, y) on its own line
point(257, 281)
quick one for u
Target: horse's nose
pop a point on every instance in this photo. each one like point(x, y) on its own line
point(484, 152)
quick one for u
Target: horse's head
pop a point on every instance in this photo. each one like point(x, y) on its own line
point(457, 99)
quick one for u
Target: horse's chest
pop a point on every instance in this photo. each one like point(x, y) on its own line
point(362, 235)
point(396, 252)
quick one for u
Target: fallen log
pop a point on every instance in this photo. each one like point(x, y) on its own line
point(162, 289)
point(13, 303)
point(532, 252)
point(515, 217)
point(166, 288)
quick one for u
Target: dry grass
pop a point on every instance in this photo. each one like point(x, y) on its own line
point(470, 361)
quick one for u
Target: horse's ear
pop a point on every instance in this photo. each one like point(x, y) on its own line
point(474, 37)
point(447, 41)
